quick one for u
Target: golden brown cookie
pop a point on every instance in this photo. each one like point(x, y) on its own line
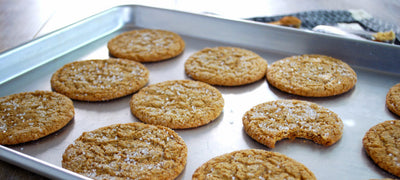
point(29, 116)
point(226, 66)
point(252, 164)
point(146, 45)
point(393, 99)
point(312, 75)
point(177, 104)
point(99, 80)
point(272, 121)
point(127, 151)
point(382, 144)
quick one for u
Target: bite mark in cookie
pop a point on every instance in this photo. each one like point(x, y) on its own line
point(272, 121)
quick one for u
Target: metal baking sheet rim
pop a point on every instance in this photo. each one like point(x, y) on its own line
point(381, 57)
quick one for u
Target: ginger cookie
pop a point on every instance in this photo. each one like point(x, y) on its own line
point(393, 99)
point(146, 45)
point(252, 164)
point(382, 144)
point(99, 80)
point(272, 121)
point(177, 104)
point(127, 151)
point(226, 66)
point(312, 75)
point(29, 116)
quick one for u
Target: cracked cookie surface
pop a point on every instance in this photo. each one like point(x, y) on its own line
point(252, 164)
point(311, 75)
point(177, 104)
point(127, 151)
point(146, 45)
point(226, 66)
point(29, 116)
point(393, 99)
point(272, 121)
point(99, 79)
point(382, 144)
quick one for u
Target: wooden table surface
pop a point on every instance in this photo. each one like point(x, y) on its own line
point(24, 20)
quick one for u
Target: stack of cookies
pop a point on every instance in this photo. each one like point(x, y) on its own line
point(152, 149)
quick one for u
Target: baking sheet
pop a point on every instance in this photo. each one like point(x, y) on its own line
point(30, 66)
